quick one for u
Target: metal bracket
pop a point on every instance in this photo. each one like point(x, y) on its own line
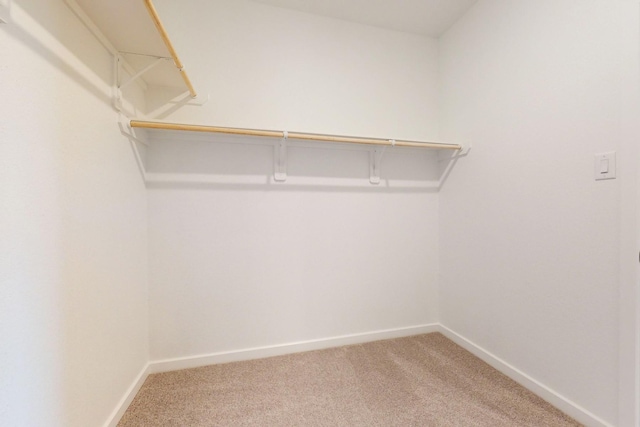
point(375, 159)
point(447, 156)
point(280, 159)
point(124, 123)
point(141, 72)
point(199, 100)
point(464, 150)
point(117, 89)
point(137, 75)
point(5, 11)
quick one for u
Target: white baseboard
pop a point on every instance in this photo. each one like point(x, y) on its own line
point(126, 400)
point(280, 349)
point(565, 405)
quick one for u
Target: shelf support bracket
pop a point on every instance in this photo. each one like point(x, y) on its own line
point(375, 159)
point(280, 158)
point(139, 73)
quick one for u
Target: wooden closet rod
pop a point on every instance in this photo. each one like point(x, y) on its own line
point(165, 37)
point(292, 135)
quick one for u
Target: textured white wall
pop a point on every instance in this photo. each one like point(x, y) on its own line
point(267, 67)
point(73, 270)
point(239, 269)
point(238, 266)
point(529, 241)
point(244, 265)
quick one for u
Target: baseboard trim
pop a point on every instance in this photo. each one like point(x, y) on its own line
point(565, 405)
point(126, 400)
point(281, 349)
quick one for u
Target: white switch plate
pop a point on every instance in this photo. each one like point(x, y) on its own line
point(605, 166)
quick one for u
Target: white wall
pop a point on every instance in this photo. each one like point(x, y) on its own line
point(73, 270)
point(529, 241)
point(237, 261)
point(238, 266)
point(248, 262)
point(267, 67)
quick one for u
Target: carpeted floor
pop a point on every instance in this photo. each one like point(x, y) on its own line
point(425, 380)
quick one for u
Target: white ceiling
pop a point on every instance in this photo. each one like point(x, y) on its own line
point(426, 17)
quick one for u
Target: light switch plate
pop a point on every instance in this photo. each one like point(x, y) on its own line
point(605, 166)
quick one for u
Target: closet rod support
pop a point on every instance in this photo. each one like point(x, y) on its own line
point(280, 158)
point(375, 159)
point(141, 72)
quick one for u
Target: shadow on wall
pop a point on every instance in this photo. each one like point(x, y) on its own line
point(229, 161)
point(178, 160)
point(32, 26)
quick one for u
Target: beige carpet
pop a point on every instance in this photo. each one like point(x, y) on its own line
point(425, 380)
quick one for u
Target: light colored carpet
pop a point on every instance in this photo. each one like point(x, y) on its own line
point(425, 380)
